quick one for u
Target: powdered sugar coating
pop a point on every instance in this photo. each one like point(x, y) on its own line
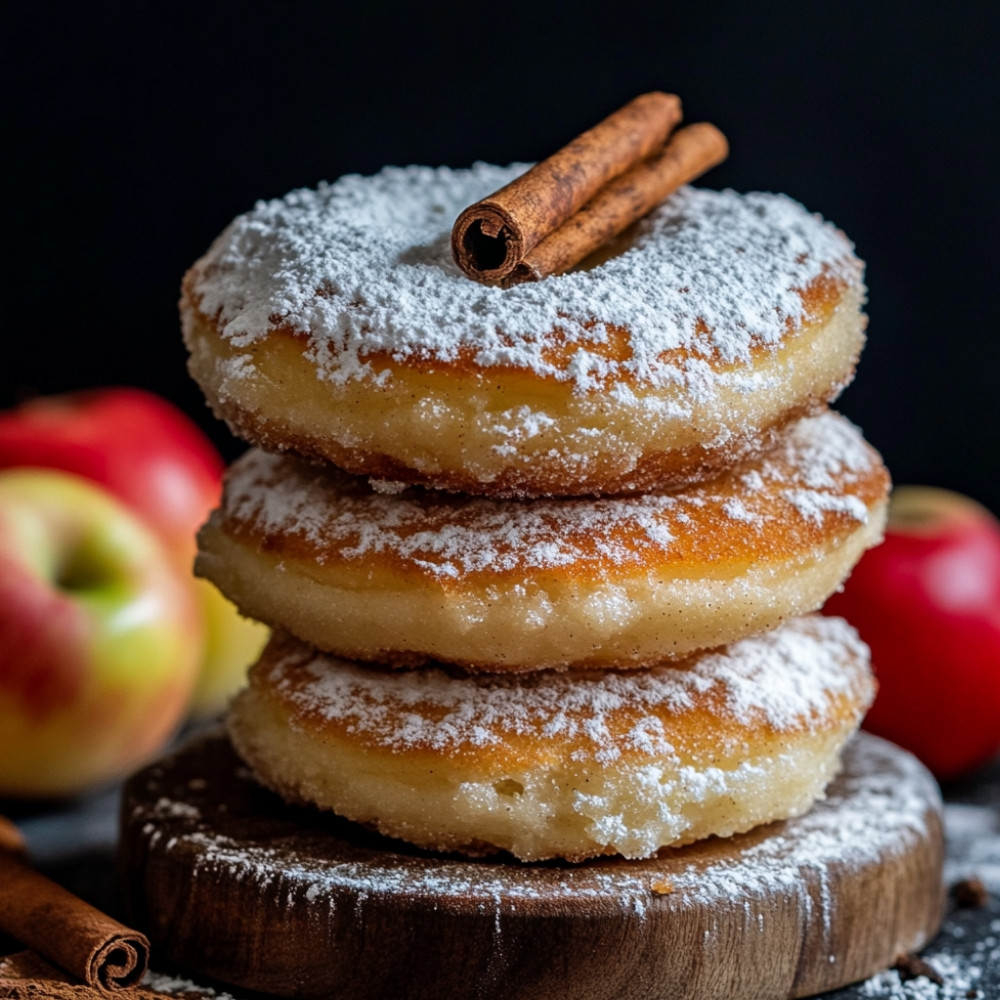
point(363, 265)
point(821, 471)
point(786, 680)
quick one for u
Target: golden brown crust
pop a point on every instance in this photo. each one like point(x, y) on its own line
point(596, 443)
point(702, 532)
point(546, 583)
point(656, 470)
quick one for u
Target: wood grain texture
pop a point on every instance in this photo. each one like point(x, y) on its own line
point(233, 885)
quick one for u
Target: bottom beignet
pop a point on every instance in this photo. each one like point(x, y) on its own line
point(560, 764)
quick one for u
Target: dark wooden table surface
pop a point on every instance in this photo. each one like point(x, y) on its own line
point(74, 843)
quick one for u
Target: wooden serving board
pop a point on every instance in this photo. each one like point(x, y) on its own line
point(233, 885)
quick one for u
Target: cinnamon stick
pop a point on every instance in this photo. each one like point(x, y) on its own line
point(68, 932)
point(689, 152)
point(489, 239)
point(25, 976)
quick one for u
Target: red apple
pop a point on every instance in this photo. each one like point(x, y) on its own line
point(133, 443)
point(927, 602)
point(152, 456)
point(99, 636)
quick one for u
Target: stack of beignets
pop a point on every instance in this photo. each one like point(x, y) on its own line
point(534, 556)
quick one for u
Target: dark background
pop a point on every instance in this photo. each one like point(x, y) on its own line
point(134, 132)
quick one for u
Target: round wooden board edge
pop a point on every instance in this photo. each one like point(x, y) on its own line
point(234, 885)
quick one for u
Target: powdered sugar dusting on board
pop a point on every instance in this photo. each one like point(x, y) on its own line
point(814, 474)
point(364, 265)
point(879, 808)
point(786, 679)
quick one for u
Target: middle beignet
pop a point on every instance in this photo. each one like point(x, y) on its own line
point(525, 585)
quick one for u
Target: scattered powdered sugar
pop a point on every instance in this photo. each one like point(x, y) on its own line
point(816, 471)
point(735, 508)
point(171, 807)
point(878, 809)
point(364, 265)
point(974, 844)
point(958, 974)
point(178, 986)
point(812, 504)
point(785, 679)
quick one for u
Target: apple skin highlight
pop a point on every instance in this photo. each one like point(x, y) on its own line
point(100, 637)
point(927, 602)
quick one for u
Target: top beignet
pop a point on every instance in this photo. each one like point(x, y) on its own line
point(334, 323)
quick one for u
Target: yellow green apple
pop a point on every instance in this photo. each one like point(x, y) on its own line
point(154, 458)
point(100, 636)
point(232, 644)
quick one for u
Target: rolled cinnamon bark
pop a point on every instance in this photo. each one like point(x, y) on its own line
point(26, 976)
point(489, 239)
point(689, 152)
point(68, 932)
